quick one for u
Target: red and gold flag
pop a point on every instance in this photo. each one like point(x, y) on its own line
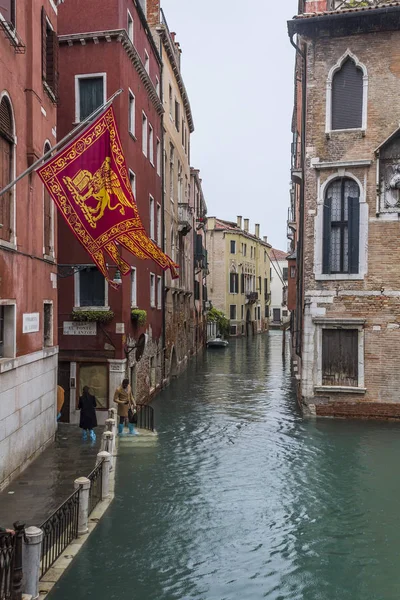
point(88, 180)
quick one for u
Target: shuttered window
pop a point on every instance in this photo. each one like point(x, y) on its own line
point(232, 312)
point(91, 287)
point(49, 56)
point(196, 290)
point(347, 97)
point(6, 158)
point(341, 227)
point(47, 217)
point(340, 357)
point(91, 95)
point(234, 283)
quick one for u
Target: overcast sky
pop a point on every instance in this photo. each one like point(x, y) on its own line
point(237, 65)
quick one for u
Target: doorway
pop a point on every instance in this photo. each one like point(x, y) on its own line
point(64, 374)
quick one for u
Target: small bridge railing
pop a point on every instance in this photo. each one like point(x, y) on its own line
point(58, 531)
point(11, 564)
point(96, 482)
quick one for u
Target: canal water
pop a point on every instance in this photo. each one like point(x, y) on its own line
point(242, 499)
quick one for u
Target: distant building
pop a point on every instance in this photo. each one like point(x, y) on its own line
point(106, 45)
point(28, 234)
point(279, 313)
point(344, 214)
point(199, 207)
point(178, 214)
point(239, 274)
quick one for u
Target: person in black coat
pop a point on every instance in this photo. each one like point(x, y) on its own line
point(88, 420)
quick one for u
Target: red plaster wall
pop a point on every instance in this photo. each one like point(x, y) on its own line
point(112, 59)
point(24, 274)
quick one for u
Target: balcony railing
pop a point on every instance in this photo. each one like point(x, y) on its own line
point(346, 4)
point(184, 218)
point(251, 297)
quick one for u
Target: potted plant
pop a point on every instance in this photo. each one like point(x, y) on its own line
point(100, 316)
point(139, 316)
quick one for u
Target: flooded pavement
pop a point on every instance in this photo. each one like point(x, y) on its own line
point(242, 499)
point(48, 481)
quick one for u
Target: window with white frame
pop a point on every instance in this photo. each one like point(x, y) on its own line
point(146, 62)
point(152, 232)
point(133, 287)
point(48, 218)
point(340, 354)
point(132, 114)
point(341, 230)
point(159, 226)
point(151, 145)
point(158, 156)
point(91, 289)
point(7, 330)
point(233, 247)
point(233, 330)
point(171, 172)
point(232, 312)
point(159, 292)
point(132, 180)
point(145, 129)
point(90, 93)
point(47, 324)
point(171, 109)
point(130, 28)
point(7, 9)
point(347, 95)
point(152, 290)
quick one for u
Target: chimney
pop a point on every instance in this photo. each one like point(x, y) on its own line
point(257, 230)
point(239, 222)
point(173, 34)
point(210, 223)
point(153, 12)
point(265, 238)
point(246, 225)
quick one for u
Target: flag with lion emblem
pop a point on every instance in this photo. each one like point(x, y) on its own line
point(88, 180)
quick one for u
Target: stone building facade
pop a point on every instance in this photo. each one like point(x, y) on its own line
point(278, 310)
point(200, 259)
point(178, 212)
point(106, 46)
point(348, 226)
point(238, 283)
point(28, 280)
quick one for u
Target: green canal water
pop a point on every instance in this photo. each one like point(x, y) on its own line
point(242, 499)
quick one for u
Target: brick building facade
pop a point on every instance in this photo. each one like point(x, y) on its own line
point(347, 185)
point(106, 46)
point(28, 281)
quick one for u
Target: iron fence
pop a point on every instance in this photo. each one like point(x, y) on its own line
point(96, 482)
point(58, 531)
point(11, 564)
point(145, 417)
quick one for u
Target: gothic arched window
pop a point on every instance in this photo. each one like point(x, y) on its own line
point(341, 227)
point(347, 97)
point(6, 167)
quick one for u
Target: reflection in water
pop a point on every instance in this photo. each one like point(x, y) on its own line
point(242, 500)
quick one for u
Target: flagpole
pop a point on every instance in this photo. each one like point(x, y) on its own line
point(65, 139)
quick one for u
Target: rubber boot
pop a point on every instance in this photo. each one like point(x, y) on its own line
point(84, 435)
point(132, 430)
point(92, 435)
point(121, 428)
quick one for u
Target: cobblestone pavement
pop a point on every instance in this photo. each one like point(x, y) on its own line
point(49, 480)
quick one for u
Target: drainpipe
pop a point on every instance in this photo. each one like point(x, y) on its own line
point(300, 241)
point(162, 216)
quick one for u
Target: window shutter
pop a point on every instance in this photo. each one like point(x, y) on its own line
point(326, 240)
point(340, 357)
point(44, 44)
point(47, 222)
point(54, 83)
point(6, 128)
point(354, 234)
point(236, 290)
point(90, 95)
point(347, 97)
point(242, 283)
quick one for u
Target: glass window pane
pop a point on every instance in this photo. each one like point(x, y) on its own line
point(334, 192)
point(96, 378)
point(92, 287)
point(91, 95)
point(335, 249)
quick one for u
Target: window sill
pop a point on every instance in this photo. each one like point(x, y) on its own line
point(133, 136)
point(339, 277)
point(353, 130)
point(49, 258)
point(8, 245)
point(78, 309)
point(340, 389)
point(152, 164)
point(152, 305)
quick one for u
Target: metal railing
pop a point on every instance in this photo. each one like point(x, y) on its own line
point(145, 417)
point(11, 564)
point(58, 531)
point(96, 482)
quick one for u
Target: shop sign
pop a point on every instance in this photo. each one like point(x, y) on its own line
point(79, 328)
point(30, 322)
